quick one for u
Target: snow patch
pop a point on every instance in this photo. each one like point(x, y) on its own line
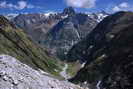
point(77, 33)
point(98, 84)
point(83, 64)
point(11, 16)
point(49, 13)
point(63, 17)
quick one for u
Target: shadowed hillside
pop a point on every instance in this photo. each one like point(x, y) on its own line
point(110, 60)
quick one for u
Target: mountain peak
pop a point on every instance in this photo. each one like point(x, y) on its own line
point(69, 11)
point(3, 20)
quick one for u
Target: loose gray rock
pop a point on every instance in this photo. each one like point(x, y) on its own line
point(15, 75)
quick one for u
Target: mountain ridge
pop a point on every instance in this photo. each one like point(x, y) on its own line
point(110, 63)
point(39, 27)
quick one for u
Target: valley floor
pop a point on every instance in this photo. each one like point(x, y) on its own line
point(64, 73)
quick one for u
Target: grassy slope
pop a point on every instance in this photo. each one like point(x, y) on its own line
point(73, 68)
point(16, 43)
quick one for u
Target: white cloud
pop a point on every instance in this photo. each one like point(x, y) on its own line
point(30, 6)
point(3, 4)
point(124, 5)
point(81, 3)
point(19, 5)
point(116, 8)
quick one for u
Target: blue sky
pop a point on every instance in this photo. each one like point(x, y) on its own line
point(41, 6)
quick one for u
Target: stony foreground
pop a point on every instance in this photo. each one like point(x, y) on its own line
point(15, 75)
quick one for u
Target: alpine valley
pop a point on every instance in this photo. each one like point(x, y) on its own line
point(66, 50)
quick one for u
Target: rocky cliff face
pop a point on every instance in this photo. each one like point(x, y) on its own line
point(108, 51)
point(68, 32)
point(69, 11)
point(14, 42)
point(59, 31)
point(15, 75)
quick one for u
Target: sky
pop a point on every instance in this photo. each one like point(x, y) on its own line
point(43, 6)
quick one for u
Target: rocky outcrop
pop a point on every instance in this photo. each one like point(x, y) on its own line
point(109, 54)
point(69, 11)
point(15, 75)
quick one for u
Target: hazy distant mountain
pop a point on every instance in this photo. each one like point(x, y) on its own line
point(36, 25)
point(98, 16)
